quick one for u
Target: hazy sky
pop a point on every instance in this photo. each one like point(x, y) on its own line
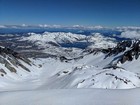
point(70, 12)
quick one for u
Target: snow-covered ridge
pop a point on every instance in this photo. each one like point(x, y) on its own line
point(57, 37)
point(14, 66)
point(97, 66)
point(96, 40)
point(100, 41)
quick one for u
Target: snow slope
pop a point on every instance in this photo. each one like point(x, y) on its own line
point(71, 97)
point(89, 73)
point(92, 67)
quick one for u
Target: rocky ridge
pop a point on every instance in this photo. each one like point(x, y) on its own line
point(12, 60)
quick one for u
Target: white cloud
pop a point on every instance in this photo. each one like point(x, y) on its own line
point(125, 28)
point(98, 27)
point(56, 26)
point(2, 26)
point(44, 26)
point(52, 26)
point(95, 27)
point(24, 25)
point(133, 34)
point(77, 26)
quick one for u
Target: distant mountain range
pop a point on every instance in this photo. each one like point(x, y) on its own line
point(56, 60)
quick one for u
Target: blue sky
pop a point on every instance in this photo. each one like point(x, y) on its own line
point(70, 12)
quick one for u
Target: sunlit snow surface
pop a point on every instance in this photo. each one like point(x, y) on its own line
point(71, 97)
point(79, 81)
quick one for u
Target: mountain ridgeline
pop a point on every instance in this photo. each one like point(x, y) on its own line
point(129, 49)
point(104, 63)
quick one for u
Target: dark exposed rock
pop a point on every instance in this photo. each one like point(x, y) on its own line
point(126, 57)
point(128, 51)
point(9, 67)
point(7, 64)
point(2, 71)
point(8, 51)
point(129, 55)
point(2, 75)
point(65, 72)
point(78, 58)
point(2, 60)
point(112, 66)
point(24, 67)
point(126, 81)
point(132, 53)
point(62, 58)
point(11, 59)
point(121, 47)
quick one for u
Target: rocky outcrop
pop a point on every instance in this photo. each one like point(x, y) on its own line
point(127, 50)
point(121, 47)
point(12, 60)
